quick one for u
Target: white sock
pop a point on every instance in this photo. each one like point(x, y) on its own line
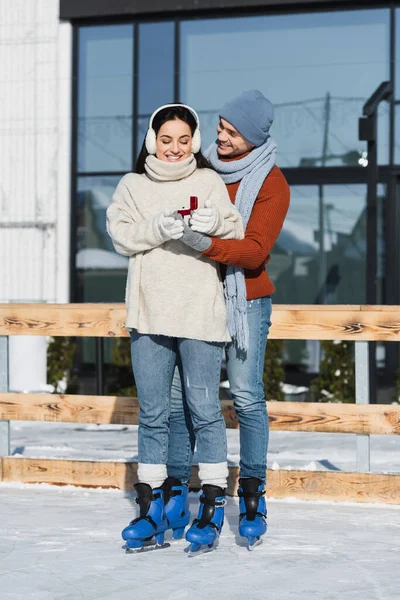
point(153, 475)
point(214, 474)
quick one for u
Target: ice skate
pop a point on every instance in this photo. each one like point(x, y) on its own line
point(176, 506)
point(203, 534)
point(253, 511)
point(151, 523)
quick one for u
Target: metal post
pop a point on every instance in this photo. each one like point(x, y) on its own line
point(362, 351)
point(321, 208)
point(372, 249)
point(4, 425)
point(368, 132)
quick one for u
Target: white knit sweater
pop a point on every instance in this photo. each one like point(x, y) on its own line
point(171, 289)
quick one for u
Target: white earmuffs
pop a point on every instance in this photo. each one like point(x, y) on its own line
point(151, 134)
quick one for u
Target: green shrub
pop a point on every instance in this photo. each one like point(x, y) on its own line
point(123, 382)
point(336, 379)
point(274, 372)
point(60, 361)
point(397, 392)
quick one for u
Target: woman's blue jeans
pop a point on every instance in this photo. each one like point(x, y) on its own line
point(245, 374)
point(153, 360)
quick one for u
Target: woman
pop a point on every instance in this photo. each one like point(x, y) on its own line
point(176, 314)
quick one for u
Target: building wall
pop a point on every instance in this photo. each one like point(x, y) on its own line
point(35, 91)
point(72, 9)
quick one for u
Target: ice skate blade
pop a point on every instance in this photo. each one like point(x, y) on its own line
point(253, 543)
point(147, 548)
point(197, 549)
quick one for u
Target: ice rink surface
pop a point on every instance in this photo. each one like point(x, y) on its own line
point(64, 544)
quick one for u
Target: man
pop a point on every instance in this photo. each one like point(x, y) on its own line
point(244, 156)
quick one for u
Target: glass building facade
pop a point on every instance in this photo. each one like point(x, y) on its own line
point(318, 67)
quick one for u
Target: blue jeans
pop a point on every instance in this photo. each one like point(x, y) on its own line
point(153, 360)
point(245, 374)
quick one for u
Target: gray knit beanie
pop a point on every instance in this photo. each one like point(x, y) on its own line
point(251, 113)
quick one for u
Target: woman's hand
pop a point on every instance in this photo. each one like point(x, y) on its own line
point(205, 220)
point(194, 239)
point(171, 228)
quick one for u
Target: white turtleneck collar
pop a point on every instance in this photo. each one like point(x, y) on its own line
point(161, 170)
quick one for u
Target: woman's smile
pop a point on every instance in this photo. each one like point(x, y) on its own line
point(174, 157)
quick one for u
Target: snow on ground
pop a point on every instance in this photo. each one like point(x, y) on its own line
point(116, 442)
point(64, 544)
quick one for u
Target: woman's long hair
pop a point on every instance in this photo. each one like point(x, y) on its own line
point(169, 114)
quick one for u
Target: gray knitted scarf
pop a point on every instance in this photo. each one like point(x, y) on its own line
point(251, 171)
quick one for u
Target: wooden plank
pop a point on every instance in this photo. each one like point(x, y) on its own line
point(336, 486)
point(334, 418)
point(283, 416)
point(380, 323)
point(69, 408)
point(70, 472)
point(379, 308)
point(305, 485)
point(63, 408)
point(334, 323)
point(78, 320)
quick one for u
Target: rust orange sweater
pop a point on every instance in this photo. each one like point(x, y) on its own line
point(266, 220)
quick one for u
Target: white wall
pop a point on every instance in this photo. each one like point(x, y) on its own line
point(35, 94)
point(35, 100)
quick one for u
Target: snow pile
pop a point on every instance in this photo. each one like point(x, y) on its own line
point(287, 449)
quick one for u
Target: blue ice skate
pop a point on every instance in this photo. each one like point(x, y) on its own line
point(176, 506)
point(204, 532)
point(253, 510)
point(151, 522)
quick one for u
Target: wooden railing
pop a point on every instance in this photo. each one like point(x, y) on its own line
point(358, 323)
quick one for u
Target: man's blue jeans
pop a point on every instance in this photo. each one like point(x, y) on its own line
point(245, 374)
point(153, 361)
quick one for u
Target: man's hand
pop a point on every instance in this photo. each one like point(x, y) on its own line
point(205, 220)
point(171, 227)
point(193, 239)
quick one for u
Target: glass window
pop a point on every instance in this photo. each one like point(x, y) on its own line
point(320, 255)
point(156, 72)
point(156, 66)
point(397, 48)
point(105, 98)
point(397, 89)
point(141, 129)
point(101, 271)
point(318, 69)
point(397, 134)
